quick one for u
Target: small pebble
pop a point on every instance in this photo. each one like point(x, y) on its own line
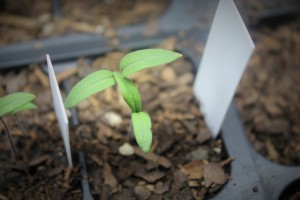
point(113, 119)
point(126, 149)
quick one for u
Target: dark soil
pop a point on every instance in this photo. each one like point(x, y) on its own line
point(27, 20)
point(269, 94)
point(184, 162)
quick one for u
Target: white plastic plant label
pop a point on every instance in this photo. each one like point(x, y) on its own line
point(60, 110)
point(228, 49)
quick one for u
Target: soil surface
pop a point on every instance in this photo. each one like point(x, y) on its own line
point(269, 93)
point(27, 20)
point(184, 163)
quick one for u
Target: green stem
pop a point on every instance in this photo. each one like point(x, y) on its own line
point(20, 125)
point(12, 147)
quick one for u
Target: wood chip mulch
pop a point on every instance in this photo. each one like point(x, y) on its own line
point(184, 163)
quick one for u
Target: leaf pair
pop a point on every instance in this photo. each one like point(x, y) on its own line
point(132, 62)
point(93, 83)
point(146, 58)
point(16, 102)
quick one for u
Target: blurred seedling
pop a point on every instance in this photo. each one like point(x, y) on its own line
point(11, 105)
point(129, 64)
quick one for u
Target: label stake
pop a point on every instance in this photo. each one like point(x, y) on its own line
point(60, 111)
point(228, 49)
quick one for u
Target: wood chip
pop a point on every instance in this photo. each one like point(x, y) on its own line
point(153, 157)
point(162, 188)
point(43, 78)
point(150, 177)
point(226, 162)
point(68, 172)
point(168, 74)
point(125, 194)
point(156, 197)
point(271, 150)
point(109, 178)
point(193, 169)
point(39, 160)
point(180, 179)
point(276, 126)
point(203, 135)
point(55, 171)
point(67, 73)
point(214, 174)
point(126, 171)
point(18, 21)
point(142, 192)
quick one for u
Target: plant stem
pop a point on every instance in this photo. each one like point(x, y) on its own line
point(12, 147)
point(130, 132)
point(20, 125)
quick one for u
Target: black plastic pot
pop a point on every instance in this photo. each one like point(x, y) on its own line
point(252, 176)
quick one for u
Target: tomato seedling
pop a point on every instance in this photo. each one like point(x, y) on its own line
point(129, 64)
point(12, 104)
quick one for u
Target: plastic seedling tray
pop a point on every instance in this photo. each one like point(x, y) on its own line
point(180, 16)
point(252, 176)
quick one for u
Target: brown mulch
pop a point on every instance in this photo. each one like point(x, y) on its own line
point(34, 19)
point(269, 94)
point(184, 162)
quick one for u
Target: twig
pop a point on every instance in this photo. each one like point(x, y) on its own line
point(12, 147)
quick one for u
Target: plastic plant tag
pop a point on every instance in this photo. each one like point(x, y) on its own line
point(228, 49)
point(60, 110)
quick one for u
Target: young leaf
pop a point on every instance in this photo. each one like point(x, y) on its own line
point(13, 101)
point(142, 130)
point(129, 91)
point(27, 106)
point(146, 58)
point(88, 86)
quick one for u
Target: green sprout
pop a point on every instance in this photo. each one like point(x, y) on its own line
point(12, 104)
point(129, 64)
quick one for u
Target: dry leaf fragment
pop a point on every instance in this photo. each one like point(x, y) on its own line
point(109, 178)
point(180, 179)
point(153, 157)
point(142, 192)
point(193, 169)
point(214, 174)
point(150, 177)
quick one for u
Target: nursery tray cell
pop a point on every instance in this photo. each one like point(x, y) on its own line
point(269, 112)
point(178, 164)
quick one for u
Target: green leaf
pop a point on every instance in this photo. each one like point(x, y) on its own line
point(13, 101)
point(27, 106)
point(146, 58)
point(129, 91)
point(142, 130)
point(88, 86)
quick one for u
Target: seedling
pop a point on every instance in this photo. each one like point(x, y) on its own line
point(11, 105)
point(129, 64)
